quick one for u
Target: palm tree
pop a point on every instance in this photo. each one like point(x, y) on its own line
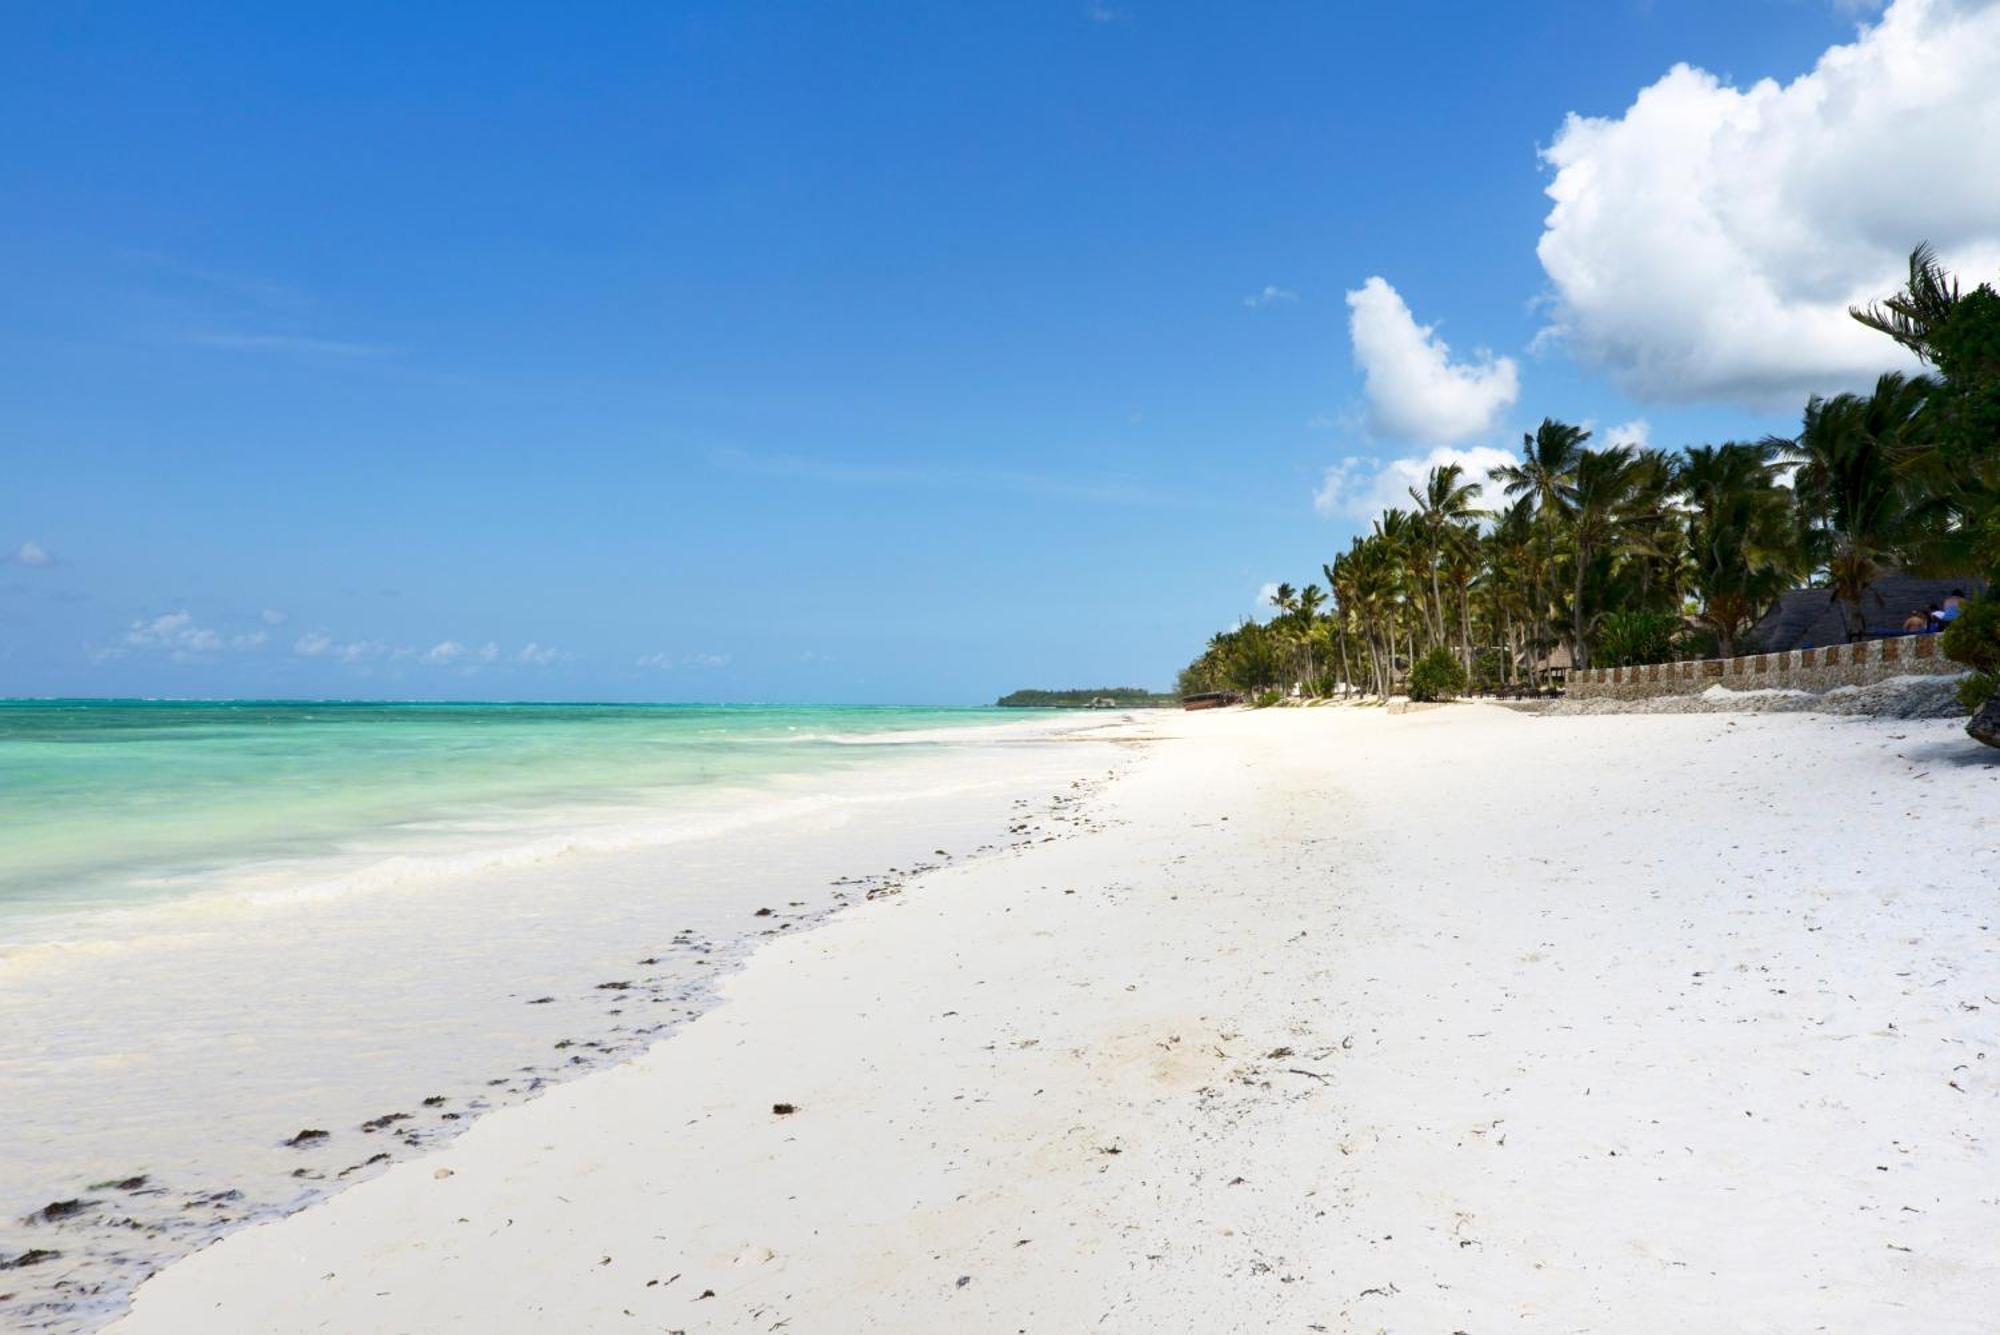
point(1305, 617)
point(1339, 591)
point(1852, 497)
point(1548, 461)
point(1511, 555)
point(1594, 509)
point(1913, 316)
point(1444, 504)
point(1463, 564)
point(1310, 598)
point(1548, 464)
point(1367, 580)
point(1953, 472)
point(1399, 554)
point(1739, 537)
point(1655, 535)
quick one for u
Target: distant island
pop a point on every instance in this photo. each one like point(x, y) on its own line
point(1103, 697)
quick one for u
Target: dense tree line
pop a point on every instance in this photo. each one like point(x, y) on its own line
point(1124, 697)
point(1620, 555)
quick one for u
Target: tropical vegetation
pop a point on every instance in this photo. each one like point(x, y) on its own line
point(1585, 554)
point(1123, 697)
point(1437, 676)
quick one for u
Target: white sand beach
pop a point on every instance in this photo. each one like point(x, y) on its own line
point(1457, 1021)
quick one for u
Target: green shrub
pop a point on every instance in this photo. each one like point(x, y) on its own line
point(1977, 689)
point(1265, 699)
point(1974, 640)
point(1633, 639)
point(1438, 675)
point(1699, 642)
point(1489, 669)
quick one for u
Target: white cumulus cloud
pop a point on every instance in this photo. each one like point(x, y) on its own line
point(1416, 391)
point(178, 637)
point(1359, 489)
point(1637, 433)
point(317, 644)
point(666, 662)
point(540, 655)
point(467, 658)
point(1270, 296)
point(1707, 242)
point(31, 553)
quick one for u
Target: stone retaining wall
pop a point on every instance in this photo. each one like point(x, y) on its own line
point(1859, 664)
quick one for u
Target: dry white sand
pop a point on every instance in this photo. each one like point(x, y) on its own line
point(1458, 1021)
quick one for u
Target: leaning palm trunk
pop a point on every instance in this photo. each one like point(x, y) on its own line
point(1852, 573)
point(1437, 600)
point(1465, 626)
point(1579, 655)
point(1532, 633)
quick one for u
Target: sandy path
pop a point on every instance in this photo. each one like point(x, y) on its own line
point(1461, 1021)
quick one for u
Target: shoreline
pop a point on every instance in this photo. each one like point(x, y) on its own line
point(1336, 1020)
point(395, 1018)
point(454, 807)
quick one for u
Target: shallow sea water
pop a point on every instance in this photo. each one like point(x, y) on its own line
point(517, 898)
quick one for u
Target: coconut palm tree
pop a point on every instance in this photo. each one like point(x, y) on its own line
point(1341, 614)
point(1511, 554)
point(1368, 580)
point(1305, 627)
point(1399, 551)
point(1739, 533)
point(1594, 507)
point(1851, 493)
point(1953, 471)
point(1463, 564)
point(1654, 547)
point(1913, 316)
point(1445, 503)
point(1548, 460)
point(1548, 464)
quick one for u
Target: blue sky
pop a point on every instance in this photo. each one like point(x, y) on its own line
point(886, 352)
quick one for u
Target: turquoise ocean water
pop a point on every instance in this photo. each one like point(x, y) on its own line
point(116, 802)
